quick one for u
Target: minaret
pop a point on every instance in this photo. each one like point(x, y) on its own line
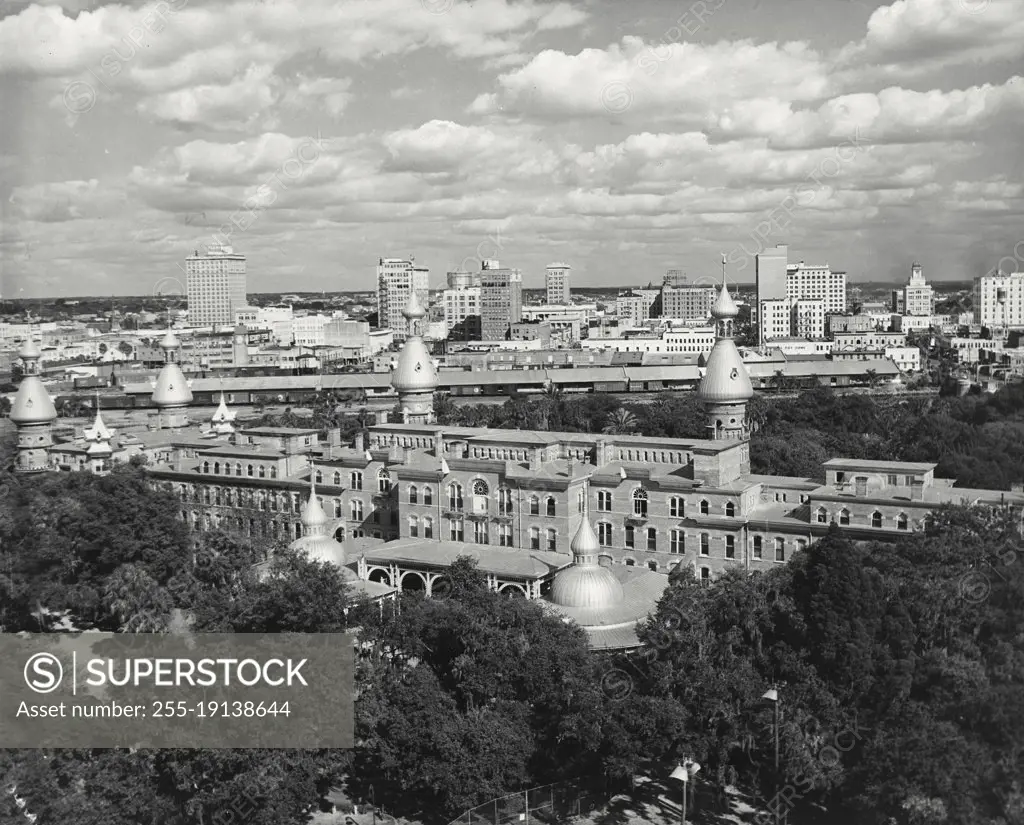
point(171, 392)
point(33, 413)
point(222, 419)
point(725, 388)
point(585, 583)
point(316, 542)
point(415, 378)
point(98, 438)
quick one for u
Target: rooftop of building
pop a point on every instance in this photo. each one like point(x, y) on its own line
point(509, 563)
point(285, 432)
point(878, 466)
point(614, 626)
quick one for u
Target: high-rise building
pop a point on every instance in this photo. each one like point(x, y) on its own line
point(557, 280)
point(215, 285)
point(501, 300)
point(770, 275)
point(396, 278)
point(689, 302)
point(999, 300)
point(816, 283)
point(808, 318)
point(918, 294)
point(775, 320)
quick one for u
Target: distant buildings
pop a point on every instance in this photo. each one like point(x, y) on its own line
point(816, 283)
point(793, 300)
point(396, 279)
point(770, 276)
point(917, 298)
point(216, 286)
point(501, 300)
point(999, 300)
point(639, 305)
point(461, 305)
point(557, 280)
point(690, 303)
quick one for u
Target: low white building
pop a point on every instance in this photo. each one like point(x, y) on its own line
point(673, 340)
point(908, 359)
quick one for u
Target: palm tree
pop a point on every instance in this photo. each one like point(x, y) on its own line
point(778, 381)
point(872, 376)
point(620, 421)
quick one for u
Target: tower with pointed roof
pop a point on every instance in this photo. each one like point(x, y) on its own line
point(171, 392)
point(725, 388)
point(98, 438)
point(223, 417)
point(415, 377)
point(585, 583)
point(317, 542)
point(33, 413)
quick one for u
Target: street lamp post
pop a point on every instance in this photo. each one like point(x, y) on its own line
point(772, 695)
point(683, 772)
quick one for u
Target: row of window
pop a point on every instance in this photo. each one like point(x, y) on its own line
point(877, 519)
point(677, 542)
point(249, 470)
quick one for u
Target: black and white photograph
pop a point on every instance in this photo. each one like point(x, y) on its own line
point(512, 412)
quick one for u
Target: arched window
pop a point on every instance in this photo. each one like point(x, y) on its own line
point(705, 508)
point(551, 505)
point(414, 526)
point(263, 473)
point(640, 502)
point(428, 495)
point(248, 470)
point(730, 509)
point(356, 510)
point(319, 477)
point(677, 507)
point(821, 515)
point(455, 496)
point(273, 472)
point(428, 527)
point(901, 521)
point(552, 540)
point(534, 506)
point(876, 519)
point(337, 479)
point(652, 565)
point(629, 562)
point(238, 469)
point(481, 494)
point(413, 494)
point(844, 516)
point(206, 466)
point(383, 481)
point(216, 468)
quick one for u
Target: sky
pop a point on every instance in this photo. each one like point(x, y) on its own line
point(623, 138)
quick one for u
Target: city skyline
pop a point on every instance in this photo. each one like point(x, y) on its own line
point(602, 135)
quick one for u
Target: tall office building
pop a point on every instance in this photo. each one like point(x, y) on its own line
point(461, 304)
point(396, 279)
point(501, 300)
point(557, 280)
point(770, 276)
point(999, 300)
point(918, 294)
point(215, 284)
point(816, 283)
point(681, 299)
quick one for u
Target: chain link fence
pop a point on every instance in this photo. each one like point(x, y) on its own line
point(546, 804)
